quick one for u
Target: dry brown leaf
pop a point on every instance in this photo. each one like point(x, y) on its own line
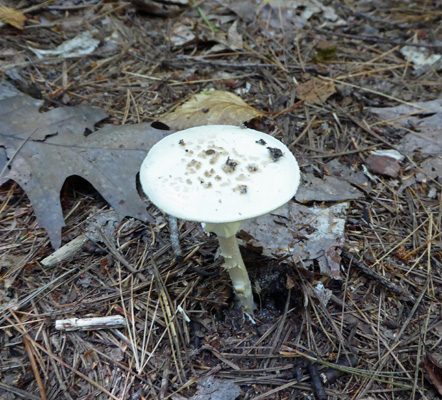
point(383, 165)
point(433, 369)
point(12, 17)
point(213, 108)
point(424, 118)
point(310, 234)
point(315, 91)
point(211, 388)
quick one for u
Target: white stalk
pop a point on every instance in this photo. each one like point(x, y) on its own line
point(234, 264)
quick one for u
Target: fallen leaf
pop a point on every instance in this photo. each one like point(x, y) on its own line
point(330, 188)
point(431, 168)
point(211, 388)
point(349, 174)
point(245, 9)
point(211, 108)
point(421, 58)
point(290, 283)
point(80, 45)
point(279, 14)
point(233, 40)
point(423, 119)
point(322, 293)
point(300, 232)
point(164, 9)
point(40, 150)
point(433, 370)
point(12, 17)
point(315, 91)
point(383, 165)
point(183, 34)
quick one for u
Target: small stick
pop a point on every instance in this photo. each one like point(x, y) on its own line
point(165, 381)
point(378, 278)
point(330, 374)
point(34, 367)
point(175, 238)
point(88, 324)
point(65, 252)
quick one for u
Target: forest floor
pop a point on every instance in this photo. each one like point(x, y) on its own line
point(329, 79)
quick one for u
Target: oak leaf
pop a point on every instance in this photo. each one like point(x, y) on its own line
point(40, 151)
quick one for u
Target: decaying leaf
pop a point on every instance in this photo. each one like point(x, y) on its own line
point(12, 17)
point(432, 168)
point(433, 370)
point(349, 173)
point(421, 58)
point(164, 9)
point(383, 165)
point(300, 232)
point(80, 45)
point(40, 150)
point(211, 388)
point(315, 91)
point(216, 107)
point(188, 33)
point(330, 188)
point(423, 119)
point(287, 13)
point(183, 33)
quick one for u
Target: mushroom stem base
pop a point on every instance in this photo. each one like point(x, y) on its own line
point(234, 264)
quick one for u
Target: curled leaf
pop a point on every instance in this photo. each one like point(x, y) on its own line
point(211, 108)
point(315, 91)
point(12, 17)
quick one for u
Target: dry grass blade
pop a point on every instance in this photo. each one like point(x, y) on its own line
point(30, 350)
point(170, 320)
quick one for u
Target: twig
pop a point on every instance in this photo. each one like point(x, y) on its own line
point(378, 278)
point(34, 294)
point(59, 360)
point(175, 238)
point(34, 367)
point(330, 374)
point(373, 39)
point(370, 17)
point(111, 247)
point(65, 252)
point(181, 57)
point(169, 317)
point(87, 324)
point(19, 392)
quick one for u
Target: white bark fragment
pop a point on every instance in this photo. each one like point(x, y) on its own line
point(87, 324)
point(65, 252)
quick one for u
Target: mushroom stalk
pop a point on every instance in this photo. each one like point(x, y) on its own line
point(234, 264)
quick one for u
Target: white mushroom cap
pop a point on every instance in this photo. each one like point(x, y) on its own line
point(219, 173)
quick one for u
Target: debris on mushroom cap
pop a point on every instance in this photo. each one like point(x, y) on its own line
point(275, 153)
point(219, 173)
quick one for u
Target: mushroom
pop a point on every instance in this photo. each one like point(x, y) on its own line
point(221, 175)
